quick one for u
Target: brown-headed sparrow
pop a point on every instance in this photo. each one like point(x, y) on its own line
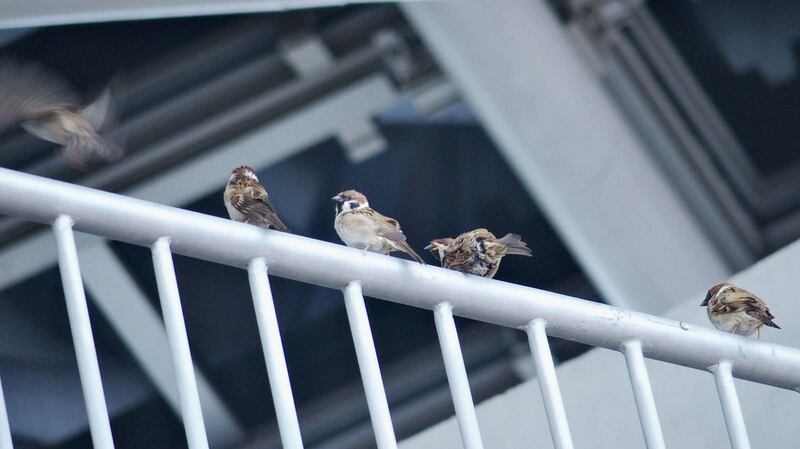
point(47, 107)
point(360, 226)
point(477, 252)
point(247, 201)
point(736, 310)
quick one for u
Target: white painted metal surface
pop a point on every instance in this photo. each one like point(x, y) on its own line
point(328, 265)
point(123, 303)
point(368, 364)
point(548, 382)
point(179, 344)
point(5, 430)
point(81, 327)
point(602, 410)
point(273, 354)
point(643, 394)
point(457, 376)
point(731, 408)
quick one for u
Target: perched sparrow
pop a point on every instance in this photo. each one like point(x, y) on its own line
point(47, 107)
point(477, 252)
point(360, 226)
point(247, 201)
point(735, 310)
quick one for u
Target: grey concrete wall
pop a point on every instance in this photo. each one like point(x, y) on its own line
point(599, 400)
point(572, 148)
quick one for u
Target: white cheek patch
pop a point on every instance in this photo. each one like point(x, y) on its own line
point(250, 175)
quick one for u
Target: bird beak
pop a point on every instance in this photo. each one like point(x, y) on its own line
point(705, 301)
point(338, 199)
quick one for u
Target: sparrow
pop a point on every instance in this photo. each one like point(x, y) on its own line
point(47, 107)
point(360, 226)
point(248, 202)
point(477, 252)
point(736, 310)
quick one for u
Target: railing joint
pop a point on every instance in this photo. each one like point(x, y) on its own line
point(444, 305)
point(163, 240)
point(723, 364)
point(352, 284)
point(61, 218)
point(632, 345)
point(535, 323)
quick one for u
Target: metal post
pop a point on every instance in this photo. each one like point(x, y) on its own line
point(457, 376)
point(5, 429)
point(81, 328)
point(643, 394)
point(273, 354)
point(731, 408)
point(548, 382)
point(368, 364)
point(179, 344)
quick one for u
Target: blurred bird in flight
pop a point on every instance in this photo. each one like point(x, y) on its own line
point(46, 106)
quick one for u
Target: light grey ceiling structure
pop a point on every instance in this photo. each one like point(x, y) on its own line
point(36, 13)
point(573, 148)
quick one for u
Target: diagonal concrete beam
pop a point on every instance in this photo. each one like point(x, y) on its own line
point(572, 148)
point(140, 327)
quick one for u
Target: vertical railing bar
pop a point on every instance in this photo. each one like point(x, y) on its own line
point(457, 376)
point(179, 344)
point(368, 364)
point(643, 395)
point(731, 408)
point(81, 328)
point(277, 371)
point(5, 429)
point(548, 383)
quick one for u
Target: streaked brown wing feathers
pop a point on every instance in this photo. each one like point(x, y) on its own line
point(255, 203)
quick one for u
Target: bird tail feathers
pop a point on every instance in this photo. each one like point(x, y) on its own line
point(404, 247)
point(515, 245)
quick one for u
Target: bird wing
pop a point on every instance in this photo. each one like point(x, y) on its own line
point(100, 112)
point(742, 301)
point(389, 228)
point(734, 303)
point(255, 202)
point(27, 90)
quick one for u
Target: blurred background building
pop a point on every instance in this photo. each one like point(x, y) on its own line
point(643, 149)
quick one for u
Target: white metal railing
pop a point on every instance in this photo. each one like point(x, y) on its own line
point(540, 313)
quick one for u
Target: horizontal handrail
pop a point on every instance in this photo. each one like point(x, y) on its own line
point(330, 265)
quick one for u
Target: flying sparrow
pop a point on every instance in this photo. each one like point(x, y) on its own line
point(736, 310)
point(360, 226)
point(247, 201)
point(477, 252)
point(47, 107)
